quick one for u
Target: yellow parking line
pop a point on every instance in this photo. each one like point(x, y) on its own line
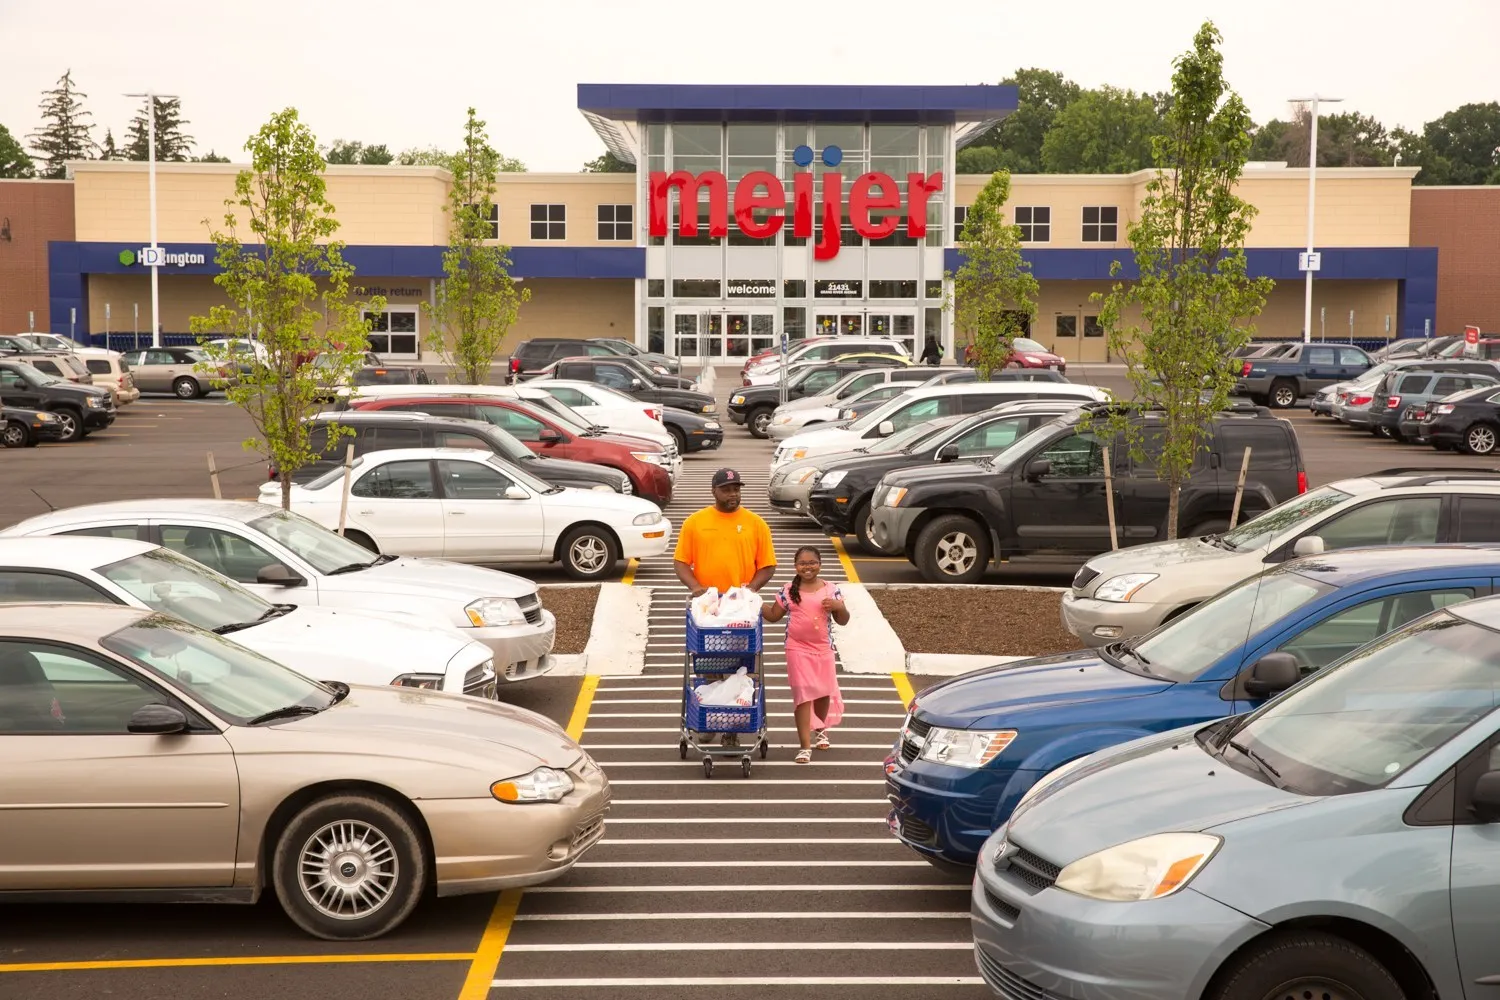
point(630, 567)
point(182, 963)
point(903, 687)
point(848, 564)
point(580, 716)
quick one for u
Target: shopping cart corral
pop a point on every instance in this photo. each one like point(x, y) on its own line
point(714, 654)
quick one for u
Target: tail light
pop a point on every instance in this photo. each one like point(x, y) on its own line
point(1416, 413)
point(1301, 481)
point(1391, 402)
point(1245, 371)
point(1361, 400)
point(515, 365)
point(1343, 397)
point(654, 412)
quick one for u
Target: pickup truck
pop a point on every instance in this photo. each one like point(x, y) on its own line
point(1279, 382)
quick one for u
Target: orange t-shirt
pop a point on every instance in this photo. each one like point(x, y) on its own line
point(725, 550)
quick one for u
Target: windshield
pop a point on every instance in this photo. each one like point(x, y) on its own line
point(561, 413)
point(1259, 531)
point(521, 476)
point(236, 683)
point(911, 438)
point(34, 375)
point(1362, 723)
point(1189, 644)
point(1026, 344)
point(875, 416)
point(1024, 445)
point(165, 581)
point(324, 550)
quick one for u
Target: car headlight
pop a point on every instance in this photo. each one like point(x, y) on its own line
point(431, 682)
point(602, 488)
point(848, 414)
point(893, 497)
point(1148, 868)
point(805, 476)
point(651, 457)
point(545, 784)
point(797, 455)
point(94, 401)
point(651, 517)
point(1123, 587)
point(45, 418)
point(710, 408)
point(712, 425)
point(737, 398)
point(965, 747)
point(833, 478)
point(490, 611)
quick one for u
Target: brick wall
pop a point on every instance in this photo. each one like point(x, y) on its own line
point(1464, 224)
point(34, 213)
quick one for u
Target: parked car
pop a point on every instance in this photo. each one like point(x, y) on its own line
point(923, 404)
point(1418, 386)
point(1118, 595)
point(601, 405)
point(1324, 401)
point(547, 434)
point(355, 647)
point(619, 374)
point(352, 803)
point(81, 409)
point(790, 422)
point(185, 372)
point(1486, 348)
point(1436, 345)
point(1045, 495)
point(692, 431)
point(531, 356)
point(666, 364)
point(973, 745)
point(22, 428)
point(110, 371)
point(790, 487)
point(1351, 405)
point(821, 381)
point(768, 370)
point(1382, 776)
point(1467, 422)
point(283, 556)
point(1028, 353)
point(1406, 347)
point(1299, 372)
point(467, 507)
point(59, 364)
point(382, 430)
point(842, 490)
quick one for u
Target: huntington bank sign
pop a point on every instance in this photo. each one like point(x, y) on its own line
point(760, 191)
point(159, 257)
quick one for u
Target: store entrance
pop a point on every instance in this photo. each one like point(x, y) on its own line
point(728, 333)
point(871, 322)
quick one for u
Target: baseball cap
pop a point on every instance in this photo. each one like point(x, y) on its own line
point(726, 477)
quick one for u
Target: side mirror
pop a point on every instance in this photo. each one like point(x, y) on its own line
point(635, 383)
point(1037, 468)
point(277, 575)
point(516, 493)
point(548, 436)
point(1485, 802)
point(1308, 545)
point(157, 720)
point(886, 429)
point(948, 453)
point(1272, 674)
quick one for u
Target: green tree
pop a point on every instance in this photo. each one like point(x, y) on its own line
point(14, 160)
point(608, 163)
point(1461, 147)
point(1344, 140)
point(210, 157)
point(1041, 95)
point(988, 159)
point(477, 301)
point(65, 133)
point(347, 152)
point(1194, 295)
point(108, 150)
point(288, 288)
point(172, 144)
point(1104, 131)
point(434, 157)
point(994, 290)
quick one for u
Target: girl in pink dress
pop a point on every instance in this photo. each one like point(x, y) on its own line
point(811, 603)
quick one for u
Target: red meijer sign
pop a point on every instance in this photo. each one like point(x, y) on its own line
point(761, 190)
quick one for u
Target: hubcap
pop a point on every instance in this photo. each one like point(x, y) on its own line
point(956, 553)
point(14, 435)
point(348, 870)
point(1284, 397)
point(185, 390)
point(1312, 988)
point(762, 421)
point(1482, 440)
point(588, 554)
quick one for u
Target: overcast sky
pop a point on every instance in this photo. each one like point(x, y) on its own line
point(403, 73)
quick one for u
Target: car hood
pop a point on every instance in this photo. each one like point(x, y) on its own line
point(439, 726)
point(76, 388)
point(673, 381)
point(855, 463)
point(810, 402)
point(547, 468)
point(1003, 691)
point(937, 472)
point(355, 647)
point(612, 507)
point(1154, 556)
point(686, 398)
point(432, 578)
point(823, 437)
point(1160, 784)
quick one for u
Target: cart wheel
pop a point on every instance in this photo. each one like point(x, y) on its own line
point(708, 767)
point(682, 749)
point(765, 748)
point(745, 766)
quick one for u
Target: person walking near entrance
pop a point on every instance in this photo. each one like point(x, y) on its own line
point(812, 604)
point(932, 354)
point(724, 546)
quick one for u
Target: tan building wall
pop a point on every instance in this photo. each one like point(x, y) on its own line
point(579, 194)
point(578, 308)
point(1464, 224)
point(33, 213)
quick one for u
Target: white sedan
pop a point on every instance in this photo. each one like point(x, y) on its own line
point(604, 406)
point(470, 507)
point(789, 420)
point(354, 647)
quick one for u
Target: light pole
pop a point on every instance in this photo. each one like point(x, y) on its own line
point(154, 260)
point(1312, 188)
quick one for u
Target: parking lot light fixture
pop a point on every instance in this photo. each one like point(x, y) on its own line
point(1312, 183)
point(151, 98)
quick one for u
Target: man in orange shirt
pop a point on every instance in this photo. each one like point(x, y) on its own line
point(725, 545)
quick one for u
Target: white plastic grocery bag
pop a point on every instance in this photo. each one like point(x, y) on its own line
point(738, 689)
point(739, 607)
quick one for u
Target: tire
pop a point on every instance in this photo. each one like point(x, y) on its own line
point(1296, 963)
point(589, 552)
point(1481, 439)
point(363, 540)
point(15, 435)
point(72, 421)
point(680, 438)
point(1283, 394)
point(343, 842)
point(758, 421)
point(187, 388)
point(864, 531)
point(1213, 526)
point(1394, 433)
point(953, 549)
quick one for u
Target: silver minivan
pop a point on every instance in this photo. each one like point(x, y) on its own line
point(1342, 842)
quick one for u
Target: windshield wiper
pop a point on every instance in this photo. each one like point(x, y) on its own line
point(1271, 774)
point(274, 611)
point(1218, 540)
point(379, 560)
point(286, 712)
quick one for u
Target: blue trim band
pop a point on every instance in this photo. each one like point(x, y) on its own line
point(683, 102)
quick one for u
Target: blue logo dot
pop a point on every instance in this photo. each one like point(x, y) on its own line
point(833, 156)
point(802, 156)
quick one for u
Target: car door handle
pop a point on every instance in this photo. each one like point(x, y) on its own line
point(457, 513)
point(367, 513)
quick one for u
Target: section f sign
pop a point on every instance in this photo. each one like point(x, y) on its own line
point(760, 191)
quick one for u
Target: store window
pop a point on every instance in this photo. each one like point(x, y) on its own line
point(1092, 327)
point(1035, 223)
point(490, 215)
point(656, 288)
point(1067, 326)
point(656, 329)
point(393, 332)
point(794, 322)
point(549, 222)
point(893, 289)
point(1101, 225)
point(794, 288)
point(695, 288)
point(616, 222)
point(960, 216)
point(934, 290)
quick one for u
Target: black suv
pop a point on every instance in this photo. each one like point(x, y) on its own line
point(80, 408)
point(531, 356)
point(384, 430)
point(1046, 495)
point(627, 376)
point(753, 405)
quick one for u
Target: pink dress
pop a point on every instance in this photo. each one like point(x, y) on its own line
point(810, 653)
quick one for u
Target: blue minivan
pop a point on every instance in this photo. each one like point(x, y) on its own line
point(972, 746)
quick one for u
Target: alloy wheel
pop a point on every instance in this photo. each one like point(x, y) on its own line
point(1481, 440)
point(69, 424)
point(956, 553)
point(588, 554)
point(760, 424)
point(1285, 397)
point(348, 870)
point(14, 436)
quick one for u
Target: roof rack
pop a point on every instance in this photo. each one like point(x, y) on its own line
point(1127, 404)
point(1432, 470)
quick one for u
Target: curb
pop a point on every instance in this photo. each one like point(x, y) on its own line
point(868, 644)
point(617, 636)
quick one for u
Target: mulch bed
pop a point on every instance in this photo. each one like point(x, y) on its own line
point(976, 621)
point(574, 608)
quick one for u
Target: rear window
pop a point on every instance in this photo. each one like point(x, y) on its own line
point(1267, 441)
point(1413, 384)
point(99, 366)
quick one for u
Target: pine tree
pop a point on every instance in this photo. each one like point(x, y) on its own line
point(172, 145)
point(65, 133)
point(109, 151)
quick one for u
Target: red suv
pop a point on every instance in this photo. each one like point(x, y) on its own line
point(548, 434)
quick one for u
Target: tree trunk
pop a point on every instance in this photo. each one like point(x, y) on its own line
point(1174, 491)
point(286, 491)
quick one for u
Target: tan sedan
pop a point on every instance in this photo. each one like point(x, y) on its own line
point(143, 757)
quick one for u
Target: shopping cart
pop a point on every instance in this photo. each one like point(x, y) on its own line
point(713, 654)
